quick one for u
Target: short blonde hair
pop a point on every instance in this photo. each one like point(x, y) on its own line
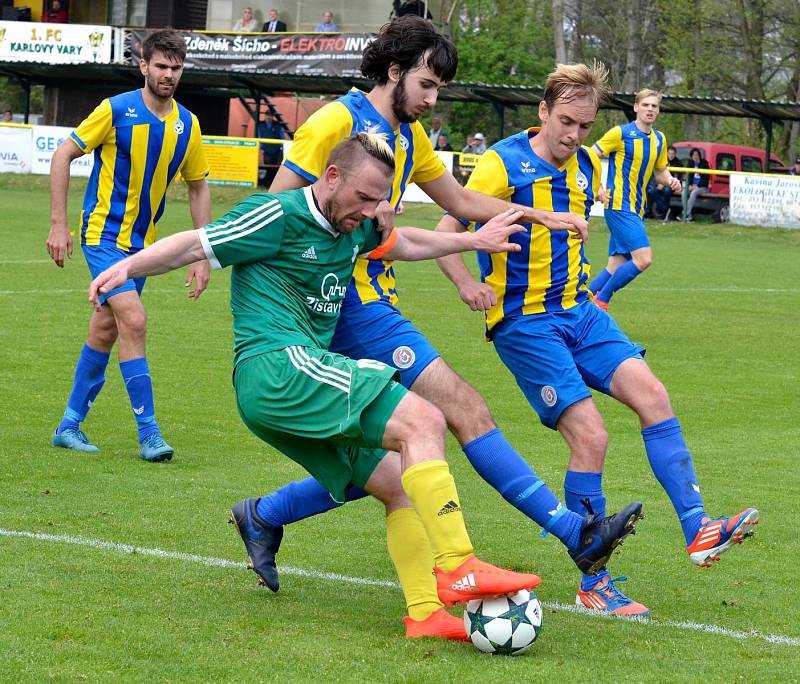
point(349, 154)
point(571, 81)
point(647, 92)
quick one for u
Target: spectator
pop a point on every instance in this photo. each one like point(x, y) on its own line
point(56, 14)
point(8, 116)
point(659, 195)
point(271, 153)
point(467, 149)
point(443, 143)
point(436, 130)
point(247, 23)
point(480, 143)
point(273, 24)
point(327, 25)
point(795, 170)
point(417, 7)
point(696, 184)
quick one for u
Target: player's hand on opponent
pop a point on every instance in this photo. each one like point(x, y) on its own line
point(477, 296)
point(493, 235)
point(59, 243)
point(111, 278)
point(602, 195)
point(384, 215)
point(200, 273)
point(565, 220)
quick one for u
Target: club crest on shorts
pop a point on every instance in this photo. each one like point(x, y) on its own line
point(179, 126)
point(581, 181)
point(403, 357)
point(549, 395)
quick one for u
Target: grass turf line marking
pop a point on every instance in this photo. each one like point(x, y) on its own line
point(362, 581)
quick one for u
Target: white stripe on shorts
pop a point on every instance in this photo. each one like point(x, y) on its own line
point(318, 371)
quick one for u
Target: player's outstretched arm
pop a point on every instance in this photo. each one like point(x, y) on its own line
point(165, 255)
point(475, 206)
point(59, 240)
point(200, 207)
point(415, 244)
point(664, 177)
point(476, 295)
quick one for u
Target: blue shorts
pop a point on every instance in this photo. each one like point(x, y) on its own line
point(379, 331)
point(556, 357)
point(100, 257)
point(627, 232)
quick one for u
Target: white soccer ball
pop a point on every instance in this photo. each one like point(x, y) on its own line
point(507, 625)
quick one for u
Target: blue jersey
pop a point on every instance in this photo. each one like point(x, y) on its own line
point(136, 157)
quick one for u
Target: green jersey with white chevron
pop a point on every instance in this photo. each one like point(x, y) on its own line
point(290, 271)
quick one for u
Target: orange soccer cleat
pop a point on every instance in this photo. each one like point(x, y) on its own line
point(438, 624)
point(476, 579)
point(717, 536)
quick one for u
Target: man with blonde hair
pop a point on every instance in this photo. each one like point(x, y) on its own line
point(635, 151)
point(557, 344)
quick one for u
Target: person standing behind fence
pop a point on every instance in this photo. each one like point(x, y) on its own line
point(326, 25)
point(141, 140)
point(247, 23)
point(273, 24)
point(696, 183)
point(271, 153)
point(635, 151)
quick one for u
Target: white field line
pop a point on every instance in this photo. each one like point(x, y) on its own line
point(347, 579)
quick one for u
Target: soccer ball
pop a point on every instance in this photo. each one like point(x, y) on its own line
point(507, 625)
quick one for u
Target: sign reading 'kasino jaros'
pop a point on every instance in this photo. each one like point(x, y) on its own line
point(303, 54)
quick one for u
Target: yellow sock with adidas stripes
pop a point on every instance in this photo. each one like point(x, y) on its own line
point(431, 488)
point(412, 555)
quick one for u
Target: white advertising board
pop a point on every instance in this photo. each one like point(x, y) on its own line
point(24, 41)
point(15, 149)
point(46, 140)
point(765, 200)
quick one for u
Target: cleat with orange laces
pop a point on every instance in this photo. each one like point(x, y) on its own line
point(604, 597)
point(438, 624)
point(475, 578)
point(716, 536)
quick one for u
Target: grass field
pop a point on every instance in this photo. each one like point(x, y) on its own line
point(718, 313)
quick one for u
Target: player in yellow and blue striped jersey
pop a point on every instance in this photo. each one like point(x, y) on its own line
point(635, 152)
point(557, 344)
point(141, 141)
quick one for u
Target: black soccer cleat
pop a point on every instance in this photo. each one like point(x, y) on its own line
point(261, 540)
point(600, 536)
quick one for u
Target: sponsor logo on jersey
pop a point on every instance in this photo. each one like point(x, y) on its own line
point(179, 126)
point(549, 395)
point(332, 294)
point(581, 181)
point(632, 133)
point(526, 167)
point(310, 253)
point(131, 113)
point(403, 357)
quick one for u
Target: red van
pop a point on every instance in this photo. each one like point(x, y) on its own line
point(725, 158)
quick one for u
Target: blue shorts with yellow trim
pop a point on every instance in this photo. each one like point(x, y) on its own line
point(627, 232)
point(556, 357)
point(100, 257)
point(377, 330)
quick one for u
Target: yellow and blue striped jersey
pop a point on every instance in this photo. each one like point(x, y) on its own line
point(633, 155)
point(551, 271)
point(136, 157)
point(415, 162)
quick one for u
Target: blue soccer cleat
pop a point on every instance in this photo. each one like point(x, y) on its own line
point(261, 540)
point(154, 449)
point(716, 536)
point(600, 536)
point(73, 438)
point(604, 597)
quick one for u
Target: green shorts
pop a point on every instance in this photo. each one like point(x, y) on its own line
point(323, 410)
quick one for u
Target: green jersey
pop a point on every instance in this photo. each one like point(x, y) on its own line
point(290, 272)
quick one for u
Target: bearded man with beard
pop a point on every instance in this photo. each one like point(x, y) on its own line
point(410, 63)
point(141, 140)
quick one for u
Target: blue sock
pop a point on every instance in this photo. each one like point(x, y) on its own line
point(299, 500)
point(497, 462)
point(622, 276)
point(672, 465)
point(577, 487)
point(89, 378)
point(136, 375)
point(599, 281)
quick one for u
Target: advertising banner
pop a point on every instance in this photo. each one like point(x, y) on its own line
point(22, 41)
point(303, 54)
point(46, 140)
point(232, 161)
point(765, 200)
point(15, 149)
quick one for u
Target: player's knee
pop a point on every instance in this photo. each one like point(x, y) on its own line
point(655, 399)
point(134, 323)
point(590, 447)
point(103, 333)
point(643, 261)
point(469, 417)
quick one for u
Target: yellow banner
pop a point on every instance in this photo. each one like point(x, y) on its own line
point(233, 161)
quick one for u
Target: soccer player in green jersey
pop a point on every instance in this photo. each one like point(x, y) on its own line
point(293, 254)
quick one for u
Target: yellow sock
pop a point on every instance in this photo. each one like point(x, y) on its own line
point(412, 556)
point(432, 490)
